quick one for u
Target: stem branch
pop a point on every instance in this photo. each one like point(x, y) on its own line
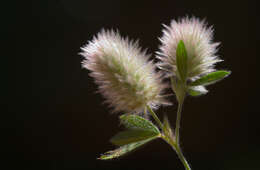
point(166, 136)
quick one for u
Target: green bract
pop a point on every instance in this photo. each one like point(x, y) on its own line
point(182, 60)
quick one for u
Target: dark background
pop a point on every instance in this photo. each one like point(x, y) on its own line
point(59, 122)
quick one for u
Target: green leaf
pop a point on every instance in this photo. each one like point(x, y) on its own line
point(138, 123)
point(123, 150)
point(131, 136)
point(211, 78)
point(182, 60)
point(197, 90)
point(140, 132)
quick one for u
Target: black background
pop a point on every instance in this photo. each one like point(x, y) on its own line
point(59, 122)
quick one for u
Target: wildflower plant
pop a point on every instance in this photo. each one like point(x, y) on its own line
point(130, 84)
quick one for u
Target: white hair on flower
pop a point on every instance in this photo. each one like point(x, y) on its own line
point(125, 77)
point(197, 37)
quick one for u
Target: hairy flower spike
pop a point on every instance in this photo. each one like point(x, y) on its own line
point(126, 78)
point(201, 51)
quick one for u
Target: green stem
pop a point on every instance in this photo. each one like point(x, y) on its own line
point(156, 118)
point(166, 136)
point(182, 158)
point(178, 121)
point(177, 149)
point(177, 130)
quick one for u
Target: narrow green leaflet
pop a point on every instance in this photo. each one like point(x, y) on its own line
point(182, 60)
point(138, 123)
point(131, 136)
point(140, 131)
point(123, 150)
point(197, 90)
point(211, 78)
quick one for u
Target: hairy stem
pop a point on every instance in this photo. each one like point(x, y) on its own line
point(169, 139)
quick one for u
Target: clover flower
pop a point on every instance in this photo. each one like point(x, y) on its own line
point(126, 79)
point(129, 82)
point(201, 51)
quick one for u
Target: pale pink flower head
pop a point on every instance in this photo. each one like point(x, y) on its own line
point(197, 38)
point(124, 76)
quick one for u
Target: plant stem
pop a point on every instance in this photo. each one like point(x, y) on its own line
point(178, 121)
point(182, 158)
point(177, 130)
point(166, 136)
point(156, 118)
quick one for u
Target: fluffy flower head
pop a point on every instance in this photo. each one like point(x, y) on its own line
point(125, 77)
point(197, 37)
